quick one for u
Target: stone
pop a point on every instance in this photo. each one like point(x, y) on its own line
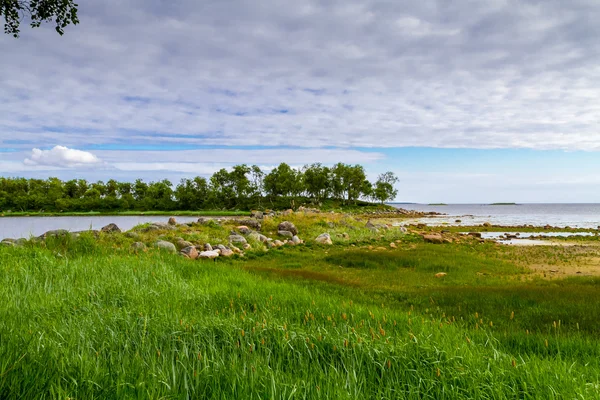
point(256, 214)
point(237, 239)
point(343, 235)
point(236, 250)
point(244, 230)
point(189, 252)
point(433, 238)
point(440, 274)
point(288, 226)
point(207, 247)
point(276, 243)
point(227, 252)
point(208, 255)
point(132, 235)
point(393, 245)
point(138, 246)
point(458, 221)
point(258, 237)
point(8, 243)
point(324, 238)
point(110, 228)
point(296, 240)
point(164, 245)
point(250, 223)
point(474, 234)
point(487, 224)
point(286, 234)
point(57, 232)
point(172, 221)
point(220, 247)
point(247, 246)
point(181, 244)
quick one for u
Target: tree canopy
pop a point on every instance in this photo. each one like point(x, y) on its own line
point(60, 12)
point(241, 187)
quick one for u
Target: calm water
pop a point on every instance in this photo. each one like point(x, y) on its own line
point(17, 227)
point(561, 215)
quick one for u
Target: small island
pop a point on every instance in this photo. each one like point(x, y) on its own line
point(503, 204)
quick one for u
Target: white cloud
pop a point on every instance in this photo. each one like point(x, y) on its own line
point(62, 157)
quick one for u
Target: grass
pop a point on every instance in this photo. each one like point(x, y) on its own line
point(86, 318)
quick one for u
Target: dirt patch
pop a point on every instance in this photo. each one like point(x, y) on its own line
point(311, 275)
point(588, 266)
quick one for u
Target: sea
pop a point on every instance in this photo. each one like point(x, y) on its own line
point(574, 215)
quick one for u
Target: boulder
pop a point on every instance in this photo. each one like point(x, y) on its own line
point(256, 214)
point(8, 242)
point(433, 238)
point(172, 221)
point(237, 239)
point(250, 223)
point(323, 238)
point(227, 252)
point(244, 230)
point(440, 274)
point(296, 240)
point(132, 235)
point(258, 237)
point(247, 246)
point(182, 244)
point(288, 226)
point(393, 245)
point(275, 243)
point(110, 228)
point(286, 234)
point(343, 235)
point(207, 247)
point(487, 224)
point(189, 252)
point(475, 234)
point(138, 246)
point(208, 255)
point(220, 247)
point(164, 245)
point(403, 229)
point(57, 232)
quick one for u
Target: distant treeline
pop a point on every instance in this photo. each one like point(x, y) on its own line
point(242, 188)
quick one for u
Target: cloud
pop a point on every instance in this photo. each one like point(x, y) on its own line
point(62, 157)
point(345, 74)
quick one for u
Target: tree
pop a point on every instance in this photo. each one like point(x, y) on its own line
point(61, 12)
point(383, 189)
point(317, 181)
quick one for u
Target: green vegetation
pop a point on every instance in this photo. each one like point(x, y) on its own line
point(88, 318)
point(503, 204)
point(61, 12)
point(241, 188)
point(437, 204)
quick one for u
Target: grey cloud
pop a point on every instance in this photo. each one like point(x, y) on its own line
point(492, 74)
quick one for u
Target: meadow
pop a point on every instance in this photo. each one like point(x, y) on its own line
point(88, 318)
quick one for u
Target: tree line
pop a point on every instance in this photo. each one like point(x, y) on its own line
point(242, 187)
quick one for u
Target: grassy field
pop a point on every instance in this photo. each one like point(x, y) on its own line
point(87, 318)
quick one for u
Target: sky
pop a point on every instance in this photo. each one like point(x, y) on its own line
point(465, 101)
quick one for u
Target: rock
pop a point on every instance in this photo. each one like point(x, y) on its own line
point(182, 244)
point(8, 243)
point(287, 234)
point(208, 255)
point(246, 246)
point(244, 230)
point(288, 226)
point(275, 243)
point(323, 238)
point(164, 245)
point(237, 239)
point(256, 214)
point(458, 221)
point(236, 250)
point(289, 211)
point(110, 228)
point(296, 240)
point(138, 246)
point(157, 226)
point(258, 237)
point(403, 229)
point(172, 221)
point(189, 252)
point(433, 238)
point(393, 245)
point(487, 224)
point(440, 274)
point(251, 223)
point(57, 232)
point(207, 247)
point(132, 235)
point(227, 252)
point(343, 235)
point(474, 234)
point(370, 225)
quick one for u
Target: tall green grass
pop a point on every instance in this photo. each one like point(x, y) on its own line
point(83, 320)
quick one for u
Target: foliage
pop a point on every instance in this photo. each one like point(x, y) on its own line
point(62, 12)
point(240, 188)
